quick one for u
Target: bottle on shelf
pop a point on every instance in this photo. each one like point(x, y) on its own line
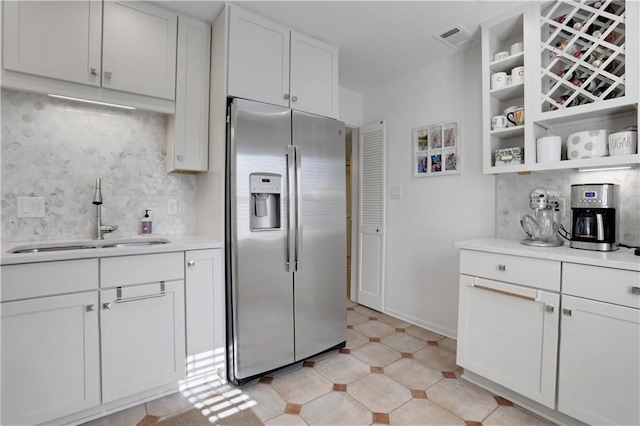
point(565, 74)
point(562, 99)
point(565, 47)
point(563, 20)
point(582, 55)
point(579, 82)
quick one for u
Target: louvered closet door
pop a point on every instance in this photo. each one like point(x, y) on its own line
point(372, 215)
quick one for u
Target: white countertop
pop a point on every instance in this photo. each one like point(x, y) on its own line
point(177, 243)
point(623, 258)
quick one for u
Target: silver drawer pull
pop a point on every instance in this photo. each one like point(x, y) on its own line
point(549, 309)
point(106, 305)
point(506, 293)
point(502, 268)
point(567, 312)
point(91, 307)
point(635, 290)
point(121, 299)
point(191, 263)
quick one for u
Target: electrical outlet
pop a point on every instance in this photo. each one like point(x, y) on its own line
point(172, 206)
point(563, 207)
point(30, 207)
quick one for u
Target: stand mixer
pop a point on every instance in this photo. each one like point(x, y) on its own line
point(541, 227)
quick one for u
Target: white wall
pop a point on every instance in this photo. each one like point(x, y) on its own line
point(421, 282)
point(350, 108)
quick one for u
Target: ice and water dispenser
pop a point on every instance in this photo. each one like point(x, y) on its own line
point(265, 189)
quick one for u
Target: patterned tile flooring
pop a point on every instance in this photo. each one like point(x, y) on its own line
point(389, 373)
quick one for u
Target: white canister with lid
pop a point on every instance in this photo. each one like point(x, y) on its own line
point(624, 142)
point(548, 149)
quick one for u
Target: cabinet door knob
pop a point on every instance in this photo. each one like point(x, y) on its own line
point(94, 71)
point(106, 305)
point(549, 309)
point(191, 263)
point(107, 74)
point(179, 157)
point(502, 268)
point(286, 96)
point(91, 307)
point(294, 98)
point(567, 312)
point(635, 290)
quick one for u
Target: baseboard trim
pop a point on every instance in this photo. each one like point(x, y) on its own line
point(421, 323)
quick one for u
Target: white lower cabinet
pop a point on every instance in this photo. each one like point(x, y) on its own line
point(204, 296)
point(142, 338)
point(516, 335)
point(81, 337)
point(599, 375)
point(50, 357)
point(509, 334)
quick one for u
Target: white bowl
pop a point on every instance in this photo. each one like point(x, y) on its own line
point(587, 144)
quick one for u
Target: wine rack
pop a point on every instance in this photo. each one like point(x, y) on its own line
point(583, 53)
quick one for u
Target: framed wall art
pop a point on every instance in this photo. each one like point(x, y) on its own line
point(436, 149)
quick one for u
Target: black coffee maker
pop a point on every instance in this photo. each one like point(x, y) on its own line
point(595, 216)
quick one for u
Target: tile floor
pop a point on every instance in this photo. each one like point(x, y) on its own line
point(390, 372)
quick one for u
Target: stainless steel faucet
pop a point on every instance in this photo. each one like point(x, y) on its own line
point(100, 229)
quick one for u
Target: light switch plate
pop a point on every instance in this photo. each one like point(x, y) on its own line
point(396, 192)
point(30, 207)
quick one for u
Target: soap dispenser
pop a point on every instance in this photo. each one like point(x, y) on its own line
point(146, 227)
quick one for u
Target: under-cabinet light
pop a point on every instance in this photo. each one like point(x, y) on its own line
point(91, 102)
point(603, 169)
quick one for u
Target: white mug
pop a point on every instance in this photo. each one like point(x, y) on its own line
point(500, 55)
point(498, 80)
point(517, 48)
point(498, 122)
point(517, 75)
point(506, 113)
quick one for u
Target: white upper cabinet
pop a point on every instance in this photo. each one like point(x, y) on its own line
point(580, 70)
point(139, 49)
point(258, 59)
point(314, 76)
point(78, 48)
point(59, 40)
point(270, 63)
point(188, 128)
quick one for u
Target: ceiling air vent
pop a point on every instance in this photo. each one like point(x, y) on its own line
point(454, 37)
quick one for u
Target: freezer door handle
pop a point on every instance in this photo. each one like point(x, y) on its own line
point(291, 206)
point(298, 208)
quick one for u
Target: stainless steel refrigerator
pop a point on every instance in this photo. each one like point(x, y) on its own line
point(285, 237)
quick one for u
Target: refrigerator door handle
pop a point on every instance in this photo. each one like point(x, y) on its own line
point(291, 206)
point(298, 259)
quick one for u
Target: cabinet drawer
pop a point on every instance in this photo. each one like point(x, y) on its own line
point(48, 278)
point(618, 286)
point(140, 269)
point(539, 273)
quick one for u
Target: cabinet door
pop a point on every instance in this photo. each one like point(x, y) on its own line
point(314, 76)
point(50, 357)
point(258, 59)
point(599, 378)
point(139, 49)
point(204, 292)
point(509, 334)
point(188, 135)
point(59, 40)
point(142, 338)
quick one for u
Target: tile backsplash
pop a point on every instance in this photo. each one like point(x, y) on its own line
point(56, 149)
point(512, 198)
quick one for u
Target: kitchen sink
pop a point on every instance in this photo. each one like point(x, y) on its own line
point(87, 244)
